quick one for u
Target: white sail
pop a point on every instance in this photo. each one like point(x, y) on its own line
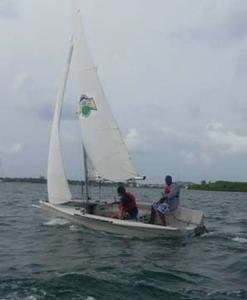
point(101, 136)
point(57, 184)
point(91, 171)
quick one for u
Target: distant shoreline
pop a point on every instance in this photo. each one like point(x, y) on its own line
point(43, 180)
point(34, 180)
point(220, 186)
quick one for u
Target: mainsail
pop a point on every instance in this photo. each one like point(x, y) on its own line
point(58, 188)
point(102, 140)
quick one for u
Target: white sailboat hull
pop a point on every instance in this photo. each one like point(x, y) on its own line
point(129, 228)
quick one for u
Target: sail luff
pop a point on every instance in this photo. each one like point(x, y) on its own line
point(57, 184)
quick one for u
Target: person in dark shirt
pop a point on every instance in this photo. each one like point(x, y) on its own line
point(128, 207)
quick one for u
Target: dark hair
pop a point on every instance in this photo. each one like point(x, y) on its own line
point(121, 190)
point(168, 179)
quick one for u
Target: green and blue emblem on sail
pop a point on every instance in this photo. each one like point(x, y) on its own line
point(86, 105)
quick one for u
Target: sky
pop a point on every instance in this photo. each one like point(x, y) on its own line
point(174, 72)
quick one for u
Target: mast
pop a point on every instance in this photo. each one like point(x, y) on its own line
point(86, 177)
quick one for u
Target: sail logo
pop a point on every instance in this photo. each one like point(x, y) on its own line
point(86, 105)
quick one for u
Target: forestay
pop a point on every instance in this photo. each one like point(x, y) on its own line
point(105, 148)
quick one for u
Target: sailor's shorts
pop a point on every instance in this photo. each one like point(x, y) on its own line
point(162, 208)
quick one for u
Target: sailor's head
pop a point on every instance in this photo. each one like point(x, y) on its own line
point(121, 190)
point(168, 179)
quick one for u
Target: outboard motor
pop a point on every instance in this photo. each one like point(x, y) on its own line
point(200, 230)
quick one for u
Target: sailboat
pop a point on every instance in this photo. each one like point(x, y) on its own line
point(106, 159)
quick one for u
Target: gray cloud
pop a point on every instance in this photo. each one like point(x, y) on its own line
point(236, 21)
point(9, 9)
point(239, 107)
point(218, 26)
point(45, 112)
point(241, 64)
point(168, 96)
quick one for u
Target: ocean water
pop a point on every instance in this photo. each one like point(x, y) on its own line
point(47, 258)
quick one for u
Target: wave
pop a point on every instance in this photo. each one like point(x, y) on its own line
point(91, 287)
point(36, 206)
point(240, 240)
point(75, 228)
point(217, 294)
point(168, 276)
point(31, 297)
point(56, 222)
point(228, 236)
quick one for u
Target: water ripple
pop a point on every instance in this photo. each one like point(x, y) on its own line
point(51, 258)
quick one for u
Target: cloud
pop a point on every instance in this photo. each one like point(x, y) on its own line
point(33, 101)
point(133, 140)
point(239, 107)
point(13, 149)
point(213, 143)
point(189, 158)
point(16, 148)
point(45, 110)
point(224, 141)
point(175, 135)
point(219, 24)
point(8, 9)
point(201, 147)
point(196, 158)
point(206, 159)
point(164, 97)
point(20, 82)
point(235, 20)
point(241, 64)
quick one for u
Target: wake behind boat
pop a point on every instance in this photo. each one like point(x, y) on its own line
point(106, 158)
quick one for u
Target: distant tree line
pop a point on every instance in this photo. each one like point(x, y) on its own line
point(228, 186)
point(40, 179)
point(43, 180)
